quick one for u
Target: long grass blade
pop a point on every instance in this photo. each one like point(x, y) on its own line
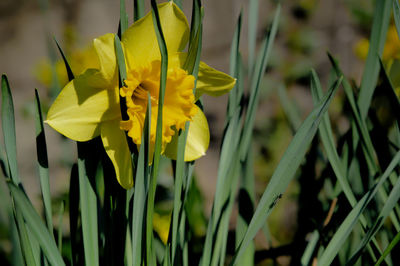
point(66, 63)
point(396, 15)
point(8, 124)
point(259, 71)
point(43, 165)
point(290, 109)
point(246, 199)
point(178, 3)
point(157, 149)
point(140, 194)
point(138, 9)
point(123, 17)
point(88, 203)
point(346, 227)
point(283, 174)
point(178, 190)
point(230, 143)
point(389, 249)
point(60, 227)
point(234, 66)
point(182, 181)
point(253, 21)
point(24, 239)
point(308, 252)
point(385, 211)
point(339, 168)
point(36, 226)
point(377, 42)
point(360, 123)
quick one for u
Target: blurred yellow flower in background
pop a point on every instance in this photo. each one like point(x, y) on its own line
point(161, 224)
point(79, 60)
point(390, 51)
point(88, 106)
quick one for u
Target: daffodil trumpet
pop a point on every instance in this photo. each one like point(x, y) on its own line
point(89, 105)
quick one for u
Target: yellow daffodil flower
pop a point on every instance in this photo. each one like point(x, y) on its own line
point(88, 106)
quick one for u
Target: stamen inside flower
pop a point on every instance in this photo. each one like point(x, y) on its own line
point(178, 105)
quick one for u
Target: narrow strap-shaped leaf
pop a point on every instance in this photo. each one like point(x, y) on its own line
point(196, 20)
point(67, 65)
point(120, 60)
point(88, 203)
point(326, 135)
point(178, 3)
point(359, 122)
point(8, 124)
point(339, 168)
point(36, 225)
point(178, 190)
point(43, 165)
point(258, 73)
point(24, 240)
point(74, 219)
point(385, 211)
point(396, 15)
point(290, 109)
point(123, 17)
point(157, 149)
point(141, 189)
point(228, 158)
point(138, 9)
point(163, 80)
point(308, 252)
point(348, 224)
point(246, 202)
point(234, 65)
point(181, 176)
point(253, 21)
point(283, 174)
point(377, 43)
point(60, 227)
point(389, 249)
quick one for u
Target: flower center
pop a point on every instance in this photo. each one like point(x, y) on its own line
point(178, 105)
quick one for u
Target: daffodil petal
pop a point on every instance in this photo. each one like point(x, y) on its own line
point(212, 81)
point(140, 41)
point(116, 146)
point(82, 105)
point(197, 142)
point(104, 46)
point(209, 81)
